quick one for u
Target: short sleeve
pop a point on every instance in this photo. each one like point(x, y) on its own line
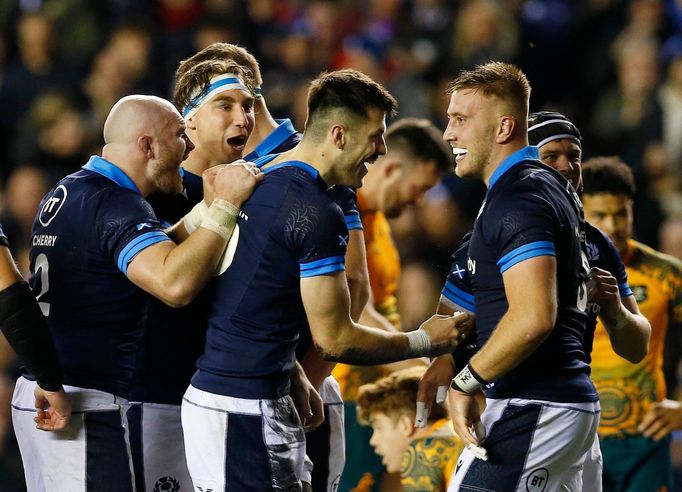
point(127, 226)
point(317, 233)
point(612, 262)
point(457, 292)
point(523, 225)
point(346, 198)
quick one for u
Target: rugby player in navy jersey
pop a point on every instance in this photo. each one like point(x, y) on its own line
point(528, 272)
point(96, 245)
point(325, 436)
point(560, 147)
point(286, 274)
point(25, 329)
point(217, 100)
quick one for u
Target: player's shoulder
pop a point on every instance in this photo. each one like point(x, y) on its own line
point(667, 265)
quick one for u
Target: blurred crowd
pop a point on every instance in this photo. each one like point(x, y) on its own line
point(614, 67)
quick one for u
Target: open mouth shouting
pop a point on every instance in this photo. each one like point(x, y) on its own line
point(237, 143)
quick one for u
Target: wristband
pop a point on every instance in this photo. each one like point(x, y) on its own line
point(467, 381)
point(221, 218)
point(192, 221)
point(420, 342)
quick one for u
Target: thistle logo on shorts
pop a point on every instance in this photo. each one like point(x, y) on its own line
point(537, 480)
point(52, 205)
point(166, 484)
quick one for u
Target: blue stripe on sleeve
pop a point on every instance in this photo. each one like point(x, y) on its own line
point(138, 244)
point(459, 296)
point(353, 221)
point(525, 252)
point(625, 290)
point(323, 266)
point(323, 262)
point(322, 270)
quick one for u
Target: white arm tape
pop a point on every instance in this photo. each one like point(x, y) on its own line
point(192, 221)
point(221, 218)
point(420, 342)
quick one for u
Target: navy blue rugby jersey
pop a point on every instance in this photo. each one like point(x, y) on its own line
point(285, 137)
point(602, 253)
point(89, 228)
point(530, 210)
point(287, 230)
point(173, 338)
point(458, 294)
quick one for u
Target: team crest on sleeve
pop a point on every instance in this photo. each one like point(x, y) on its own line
point(53, 204)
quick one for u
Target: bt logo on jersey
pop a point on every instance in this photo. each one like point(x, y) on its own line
point(53, 204)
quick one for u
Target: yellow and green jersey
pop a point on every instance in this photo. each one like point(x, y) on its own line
point(429, 461)
point(627, 390)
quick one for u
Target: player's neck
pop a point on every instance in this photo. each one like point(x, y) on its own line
point(197, 162)
point(265, 125)
point(498, 156)
point(314, 154)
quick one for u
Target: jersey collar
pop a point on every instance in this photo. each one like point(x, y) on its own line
point(524, 154)
point(277, 137)
point(109, 170)
point(299, 164)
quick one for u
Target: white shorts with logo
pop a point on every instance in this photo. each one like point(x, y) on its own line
point(326, 445)
point(532, 445)
point(93, 452)
point(158, 447)
point(242, 445)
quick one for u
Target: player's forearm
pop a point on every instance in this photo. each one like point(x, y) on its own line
point(189, 266)
point(629, 333)
point(363, 345)
point(25, 328)
point(516, 336)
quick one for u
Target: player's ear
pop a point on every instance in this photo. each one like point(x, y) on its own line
point(144, 143)
point(390, 167)
point(339, 136)
point(405, 425)
point(505, 128)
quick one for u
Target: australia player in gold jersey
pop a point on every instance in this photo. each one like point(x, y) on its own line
point(636, 418)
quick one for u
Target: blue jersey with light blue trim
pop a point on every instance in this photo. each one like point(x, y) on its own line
point(285, 137)
point(173, 338)
point(602, 253)
point(287, 230)
point(530, 210)
point(89, 227)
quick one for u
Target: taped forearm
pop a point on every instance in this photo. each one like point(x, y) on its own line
point(25, 328)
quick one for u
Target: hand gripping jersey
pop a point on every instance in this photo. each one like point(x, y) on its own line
point(530, 210)
point(287, 230)
point(89, 227)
